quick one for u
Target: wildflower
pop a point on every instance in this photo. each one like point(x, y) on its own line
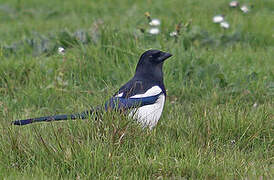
point(155, 22)
point(174, 33)
point(234, 4)
point(148, 16)
point(142, 30)
point(61, 50)
point(224, 25)
point(218, 19)
point(154, 31)
point(245, 9)
point(188, 24)
point(255, 105)
point(178, 27)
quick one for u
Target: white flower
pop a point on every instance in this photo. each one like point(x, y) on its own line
point(245, 9)
point(155, 22)
point(174, 33)
point(224, 25)
point(61, 50)
point(218, 19)
point(233, 142)
point(233, 4)
point(255, 105)
point(154, 31)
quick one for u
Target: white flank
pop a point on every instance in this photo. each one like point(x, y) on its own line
point(149, 115)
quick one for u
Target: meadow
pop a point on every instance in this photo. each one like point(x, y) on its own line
point(218, 117)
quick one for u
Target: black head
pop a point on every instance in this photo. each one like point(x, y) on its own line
point(150, 65)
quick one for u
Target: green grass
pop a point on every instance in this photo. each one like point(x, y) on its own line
point(209, 129)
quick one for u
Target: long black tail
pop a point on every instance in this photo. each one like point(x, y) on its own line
point(114, 103)
point(83, 115)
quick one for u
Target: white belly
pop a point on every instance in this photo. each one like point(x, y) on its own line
point(149, 115)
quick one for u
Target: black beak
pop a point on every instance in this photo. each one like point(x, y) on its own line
point(164, 56)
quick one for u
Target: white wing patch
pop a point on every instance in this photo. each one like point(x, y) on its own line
point(150, 92)
point(119, 95)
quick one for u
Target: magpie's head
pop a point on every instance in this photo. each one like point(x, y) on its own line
point(151, 63)
point(153, 57)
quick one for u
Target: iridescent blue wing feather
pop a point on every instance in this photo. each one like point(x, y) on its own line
point(120, 103)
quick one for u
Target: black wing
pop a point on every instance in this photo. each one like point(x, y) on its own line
point(135, 86)
point(123, 104)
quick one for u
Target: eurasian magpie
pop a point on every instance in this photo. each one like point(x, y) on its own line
point(142, 97)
